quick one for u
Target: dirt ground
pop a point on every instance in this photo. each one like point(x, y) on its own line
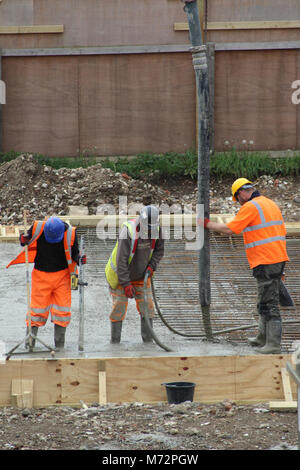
point(43, 191)
point(170, 427)
point(119, 427)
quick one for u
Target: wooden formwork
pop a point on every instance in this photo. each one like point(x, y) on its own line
point(248, 379)
point(12, 232)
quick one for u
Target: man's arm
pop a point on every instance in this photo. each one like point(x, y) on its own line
point(123, 252)
point(158, 252)
point(219, 227)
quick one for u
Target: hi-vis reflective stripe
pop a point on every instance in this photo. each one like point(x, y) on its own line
point(263, 223)
point(38, 319)
point(266, 224)
point(68, 250)
point(266, 240)
point(41, 310)
point(113, 267)
point(64, 318)
point(46, 309)
point(37, 231)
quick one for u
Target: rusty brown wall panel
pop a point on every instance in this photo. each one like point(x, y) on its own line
point(251, 35)
point(253, 10)
point(102, 23)
point(253, 99)
point(111, 105)
point(133, 103)
point(41, 113)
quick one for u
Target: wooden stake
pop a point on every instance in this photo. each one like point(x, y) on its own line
point(102, 383)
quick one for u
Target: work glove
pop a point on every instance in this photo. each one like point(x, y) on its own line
point(23, 239)
point(82, 259)
point(129, 291)
point(150, 271)
point(203, 222)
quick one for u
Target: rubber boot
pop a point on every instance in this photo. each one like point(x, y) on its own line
point(146, 336)
point(59, 337)
point(34, 331)
point(260, 339)
point(116, 330)
point(272, 346)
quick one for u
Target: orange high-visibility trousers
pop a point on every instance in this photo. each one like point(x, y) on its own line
point(50, 293)
point(120, 301)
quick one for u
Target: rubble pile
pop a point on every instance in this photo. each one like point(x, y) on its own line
point(44, 191)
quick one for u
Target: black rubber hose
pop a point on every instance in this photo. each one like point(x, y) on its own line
point(147, 321)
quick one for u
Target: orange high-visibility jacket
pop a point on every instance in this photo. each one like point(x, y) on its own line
point(37, 230)
point(260, 220)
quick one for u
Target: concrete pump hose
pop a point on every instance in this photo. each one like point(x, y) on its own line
point(147, 321)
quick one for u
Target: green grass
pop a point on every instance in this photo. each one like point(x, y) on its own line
point(232, 164)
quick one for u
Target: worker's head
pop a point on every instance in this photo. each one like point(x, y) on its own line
point(149, 221)
point(54, 230)
point(241, 190)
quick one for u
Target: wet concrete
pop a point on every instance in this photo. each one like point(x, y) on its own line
point(96, 323)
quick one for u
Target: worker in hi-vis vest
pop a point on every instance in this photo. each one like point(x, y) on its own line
point(140, 248)
point(261, 222)
point(53, 248)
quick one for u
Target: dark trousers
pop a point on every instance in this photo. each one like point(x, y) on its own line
point(268, 278)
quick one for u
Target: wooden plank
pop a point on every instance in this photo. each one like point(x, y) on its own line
point(22, 393)
point(80, 381)
point(288, 396)
point(283, 405)
point(102, 383)
point(150, 49)
point(256, 377)
point(70, 381)
point(34, 29)
point(242, 25)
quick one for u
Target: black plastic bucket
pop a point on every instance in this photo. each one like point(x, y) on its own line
point(178, 392)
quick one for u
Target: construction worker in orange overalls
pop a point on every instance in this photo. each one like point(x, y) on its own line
point(139, 250)
point(261, 222)
point(53, 248)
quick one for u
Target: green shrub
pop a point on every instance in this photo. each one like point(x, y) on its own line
point(231, 164)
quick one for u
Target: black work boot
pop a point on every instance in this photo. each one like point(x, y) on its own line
point(34, 331)
point(116, 329)
point(260, 339)
point(273, 341)
point(146, 335)
point(59, 336)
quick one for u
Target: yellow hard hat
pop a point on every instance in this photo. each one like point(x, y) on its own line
point(238, 184)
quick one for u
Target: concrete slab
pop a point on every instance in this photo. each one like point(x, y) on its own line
point(96, 323)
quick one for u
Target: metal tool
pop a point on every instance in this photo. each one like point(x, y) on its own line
point(81, 284)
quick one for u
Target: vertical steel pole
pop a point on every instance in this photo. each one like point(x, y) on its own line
point(298, 398)
point(200, 64)
point(81, 285)
point(1, 138)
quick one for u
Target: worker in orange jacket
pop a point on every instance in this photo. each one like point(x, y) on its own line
point(261, 222)
point(53, 248)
